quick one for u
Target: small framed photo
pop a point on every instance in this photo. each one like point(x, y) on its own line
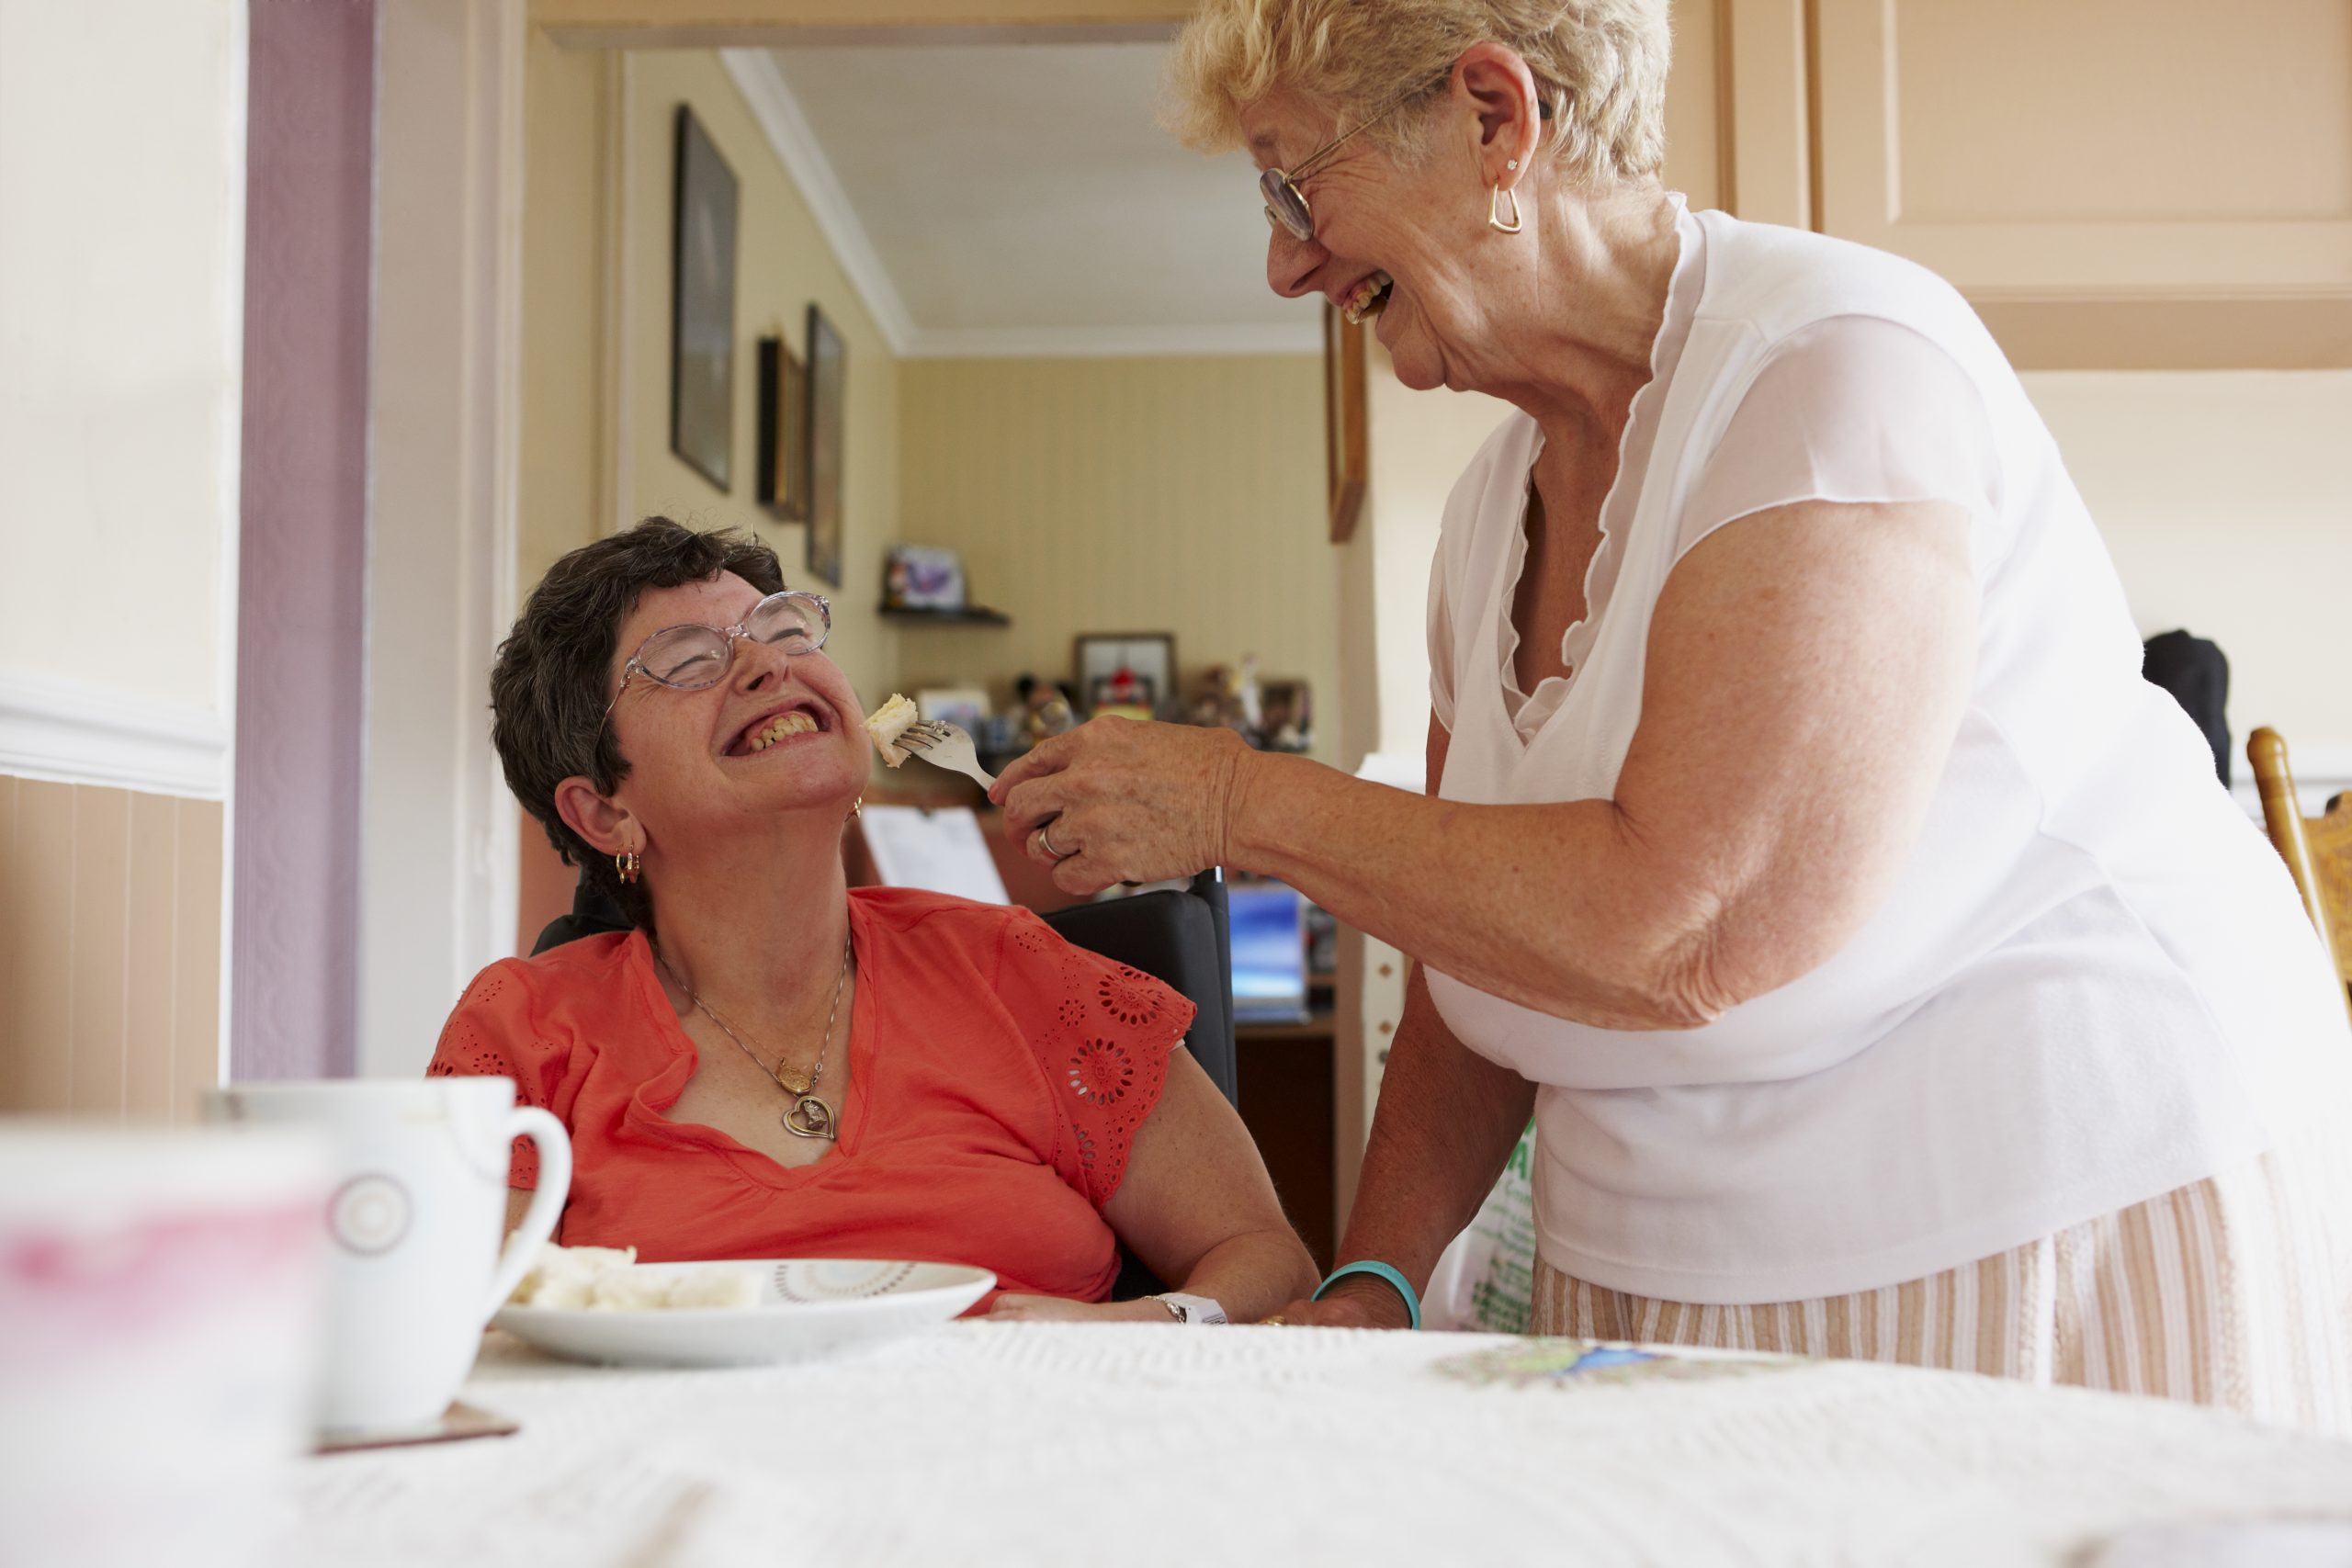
point(1130, 674)
point(918, 577)
point(701, 306)
point(784, 432)
point(965, 707)
point(828, 434)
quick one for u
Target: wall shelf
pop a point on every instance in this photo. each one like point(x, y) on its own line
point(972, 616)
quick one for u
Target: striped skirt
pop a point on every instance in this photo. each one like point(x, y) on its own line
point(2236, 1290)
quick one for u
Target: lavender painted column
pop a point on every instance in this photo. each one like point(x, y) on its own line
point(302, 586)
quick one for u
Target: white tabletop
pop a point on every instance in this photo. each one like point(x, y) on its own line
point(1044, 1444)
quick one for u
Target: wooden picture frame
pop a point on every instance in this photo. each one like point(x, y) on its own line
point(828, 435)
point(1346, 421)
point(701, 306)
point(783, 432)
point(1097, 657)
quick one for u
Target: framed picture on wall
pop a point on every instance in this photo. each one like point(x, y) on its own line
point(1130, 674)
point(784, 432)
point(828, 434)
point(1346, 424)
point(702, 314)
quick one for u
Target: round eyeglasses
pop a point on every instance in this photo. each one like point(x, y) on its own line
point(1286, 204)
point(692, 656)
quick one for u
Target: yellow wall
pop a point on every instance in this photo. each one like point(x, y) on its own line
point(782, 264)
point(597, 330)
point(1184, 495)
point(110, 951)
point(563, 500)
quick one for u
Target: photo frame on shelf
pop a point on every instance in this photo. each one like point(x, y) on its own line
point(1130, 674)
point(919, 577)
point(965, 706)
point(1346, 421)
point(784, 432)
point(827, 436)
point(701, 306)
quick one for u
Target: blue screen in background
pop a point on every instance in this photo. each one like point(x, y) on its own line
point(1269, 953)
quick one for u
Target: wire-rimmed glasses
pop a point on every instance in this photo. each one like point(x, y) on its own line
point(692, 656)
point(1285, 203)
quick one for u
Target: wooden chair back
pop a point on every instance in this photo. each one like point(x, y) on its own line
point(2317, 850)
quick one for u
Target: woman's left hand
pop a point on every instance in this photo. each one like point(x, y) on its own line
point(1125, 802)
point(1011, 1308)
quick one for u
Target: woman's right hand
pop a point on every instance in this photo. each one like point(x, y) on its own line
point(1357, 1302)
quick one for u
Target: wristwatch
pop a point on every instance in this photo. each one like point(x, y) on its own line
point(1191, 1310)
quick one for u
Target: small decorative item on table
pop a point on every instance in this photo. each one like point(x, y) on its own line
point(1127, 674)
point(1286, 716)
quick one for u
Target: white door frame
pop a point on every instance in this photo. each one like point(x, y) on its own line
point(438, 847)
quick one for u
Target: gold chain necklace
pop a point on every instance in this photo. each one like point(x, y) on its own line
point(809, 1116)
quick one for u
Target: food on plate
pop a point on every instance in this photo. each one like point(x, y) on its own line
point(608, 1278)
point(886, 723)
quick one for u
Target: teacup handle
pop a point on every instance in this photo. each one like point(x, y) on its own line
point(547, 1134)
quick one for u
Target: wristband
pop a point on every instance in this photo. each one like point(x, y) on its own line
point(1380, 1271)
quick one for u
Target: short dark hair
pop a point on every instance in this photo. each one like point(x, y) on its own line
point(547, 688)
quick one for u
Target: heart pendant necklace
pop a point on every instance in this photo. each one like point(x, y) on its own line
point(810, 1115)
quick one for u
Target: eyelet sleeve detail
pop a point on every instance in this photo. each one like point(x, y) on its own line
point(1103, 1033)
point(489, 1034)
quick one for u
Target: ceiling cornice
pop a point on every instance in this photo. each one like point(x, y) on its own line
point(797, 147)
point(794, 140)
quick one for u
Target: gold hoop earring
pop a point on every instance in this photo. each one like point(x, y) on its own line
point(628, 867)
point(1494, 211)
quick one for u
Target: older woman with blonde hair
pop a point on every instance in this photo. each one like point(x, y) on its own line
point(1884, 970)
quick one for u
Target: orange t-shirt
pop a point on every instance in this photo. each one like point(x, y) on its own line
point(997, 1077)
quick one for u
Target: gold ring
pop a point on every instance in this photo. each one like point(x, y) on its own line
point(1277, 1321)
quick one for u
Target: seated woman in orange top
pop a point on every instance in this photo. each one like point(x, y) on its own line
point(773, 1064)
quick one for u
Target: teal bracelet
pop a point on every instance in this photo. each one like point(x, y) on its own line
point(1380, 1271)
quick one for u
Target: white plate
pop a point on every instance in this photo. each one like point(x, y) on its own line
point(807, 1307)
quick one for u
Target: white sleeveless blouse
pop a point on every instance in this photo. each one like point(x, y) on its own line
point(2092, 981)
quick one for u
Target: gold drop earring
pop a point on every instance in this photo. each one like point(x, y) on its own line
point(628, 867)
point(1494, 207)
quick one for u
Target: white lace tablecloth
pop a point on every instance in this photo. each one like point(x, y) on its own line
point(1047, 1444)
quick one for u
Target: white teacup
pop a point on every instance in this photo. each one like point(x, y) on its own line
point(419, 1199)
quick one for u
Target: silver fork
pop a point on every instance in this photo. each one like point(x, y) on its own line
point(945, 744)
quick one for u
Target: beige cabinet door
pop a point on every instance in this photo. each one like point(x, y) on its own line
point(2177, 170)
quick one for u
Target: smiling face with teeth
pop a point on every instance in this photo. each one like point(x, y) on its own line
point(1406, 243)
point(779, 734)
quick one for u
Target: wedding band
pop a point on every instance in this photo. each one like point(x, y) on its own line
point(1277, 1321)
point(1046, 838)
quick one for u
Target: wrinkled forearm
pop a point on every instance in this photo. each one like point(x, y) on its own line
point(1446, 1123)
point(1558, 907)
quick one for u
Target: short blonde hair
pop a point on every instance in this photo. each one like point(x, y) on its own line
point(1601, 66)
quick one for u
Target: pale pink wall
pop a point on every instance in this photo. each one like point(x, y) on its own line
point(302, 587)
